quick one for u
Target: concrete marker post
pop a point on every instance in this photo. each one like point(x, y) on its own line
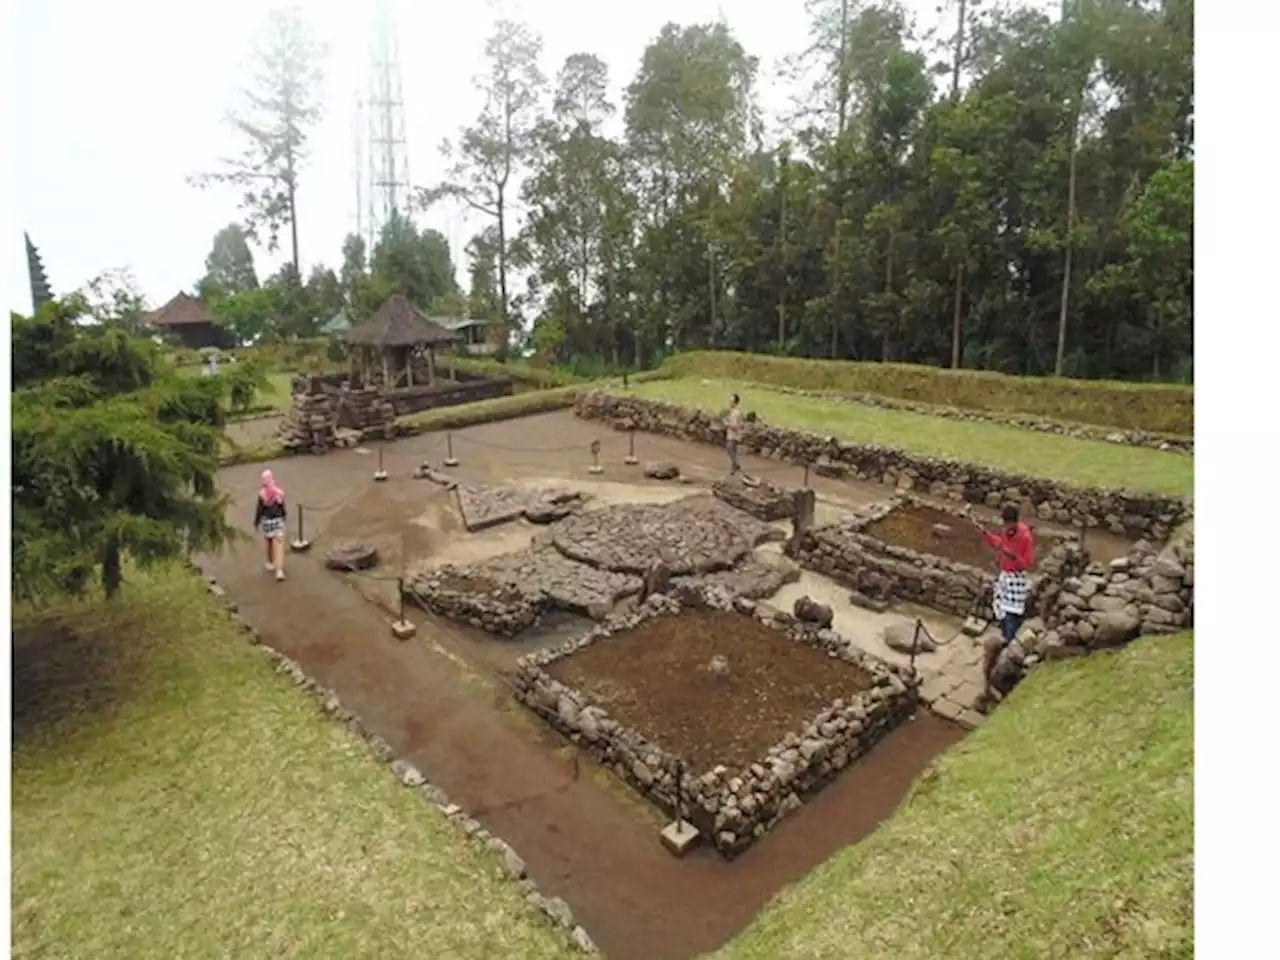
point(402, 628)
point(679, 836)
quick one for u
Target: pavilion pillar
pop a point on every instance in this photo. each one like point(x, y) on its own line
point(408, 365)
point(386, 373)
point(431, 366)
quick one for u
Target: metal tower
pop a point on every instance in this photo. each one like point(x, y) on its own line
point(359, 134)
point(388, 158)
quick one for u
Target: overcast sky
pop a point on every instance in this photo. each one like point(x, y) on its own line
point(113, 103)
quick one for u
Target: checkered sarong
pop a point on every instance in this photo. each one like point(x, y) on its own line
point(273, 528)
point(1012, 589)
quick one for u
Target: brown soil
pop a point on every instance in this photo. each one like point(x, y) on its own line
point(655, 680)
point(912, 526)
point(439, 703)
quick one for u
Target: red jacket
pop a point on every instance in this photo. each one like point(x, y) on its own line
point(1017, 550)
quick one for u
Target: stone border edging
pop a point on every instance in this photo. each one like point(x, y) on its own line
point(554, 909)
point(1121, 511)
point(1168, 443)
point(732, 812)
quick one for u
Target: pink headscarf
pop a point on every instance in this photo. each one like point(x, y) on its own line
point(269, 492)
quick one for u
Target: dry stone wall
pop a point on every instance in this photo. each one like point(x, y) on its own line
point(731, 809)
point(364, 409)
point(846, 553)
point(311, 424)
point(1123, 512)
point(762, 500)
point(447, 394)
point(1107, 605)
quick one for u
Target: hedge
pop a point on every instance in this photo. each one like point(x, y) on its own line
point(1155, 408)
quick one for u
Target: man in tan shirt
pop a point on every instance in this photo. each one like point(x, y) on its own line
point(733, 433)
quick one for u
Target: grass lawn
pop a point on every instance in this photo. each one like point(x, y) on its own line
point(1089, 463)
point(1063, 828)
point(280, 393)
point(174, 796)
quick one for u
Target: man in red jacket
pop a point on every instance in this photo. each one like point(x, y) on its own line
point(1016, 551)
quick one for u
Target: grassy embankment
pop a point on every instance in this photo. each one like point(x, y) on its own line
point(1062, 828)
point(174, 796)
point(1154, 407)
point(1091, 463)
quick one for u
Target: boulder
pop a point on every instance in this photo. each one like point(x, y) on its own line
point(352, 555)
point(1114, 628)
point(900, 636)
point(808, 610)
point(661, 471)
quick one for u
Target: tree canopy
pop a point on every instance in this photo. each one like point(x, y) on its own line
point(1011, 192)
point(114, 455)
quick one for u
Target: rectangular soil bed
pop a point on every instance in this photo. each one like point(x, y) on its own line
point(752, 711)
point(657, 679)
point(927, 529)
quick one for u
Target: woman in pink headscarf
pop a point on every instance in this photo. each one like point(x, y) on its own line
point(269, 518)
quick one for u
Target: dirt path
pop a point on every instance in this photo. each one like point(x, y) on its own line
point(583, 836)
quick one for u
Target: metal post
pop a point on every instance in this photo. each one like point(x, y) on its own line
point(915, 644)
point(450, 460)
point(631, 455)
point(679, 795)
point(380, 474)
point(300, 545)
point(400, 586)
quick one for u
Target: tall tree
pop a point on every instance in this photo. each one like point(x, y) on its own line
point(354, 271)
point(279, 110)
point(691, 121)
point(114, 298)
point(324, 292)
point(419, 265)
point(572, 192)
point(492, 152)
point(228, 269)
point(114, 455)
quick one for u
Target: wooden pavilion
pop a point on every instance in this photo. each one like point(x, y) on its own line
point(388, 343)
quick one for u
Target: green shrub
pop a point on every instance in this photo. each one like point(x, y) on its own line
point(1156, 408)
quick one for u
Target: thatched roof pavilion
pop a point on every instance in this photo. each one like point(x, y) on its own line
point(396, 333)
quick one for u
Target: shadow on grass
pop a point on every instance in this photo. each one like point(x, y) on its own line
point(64, 680)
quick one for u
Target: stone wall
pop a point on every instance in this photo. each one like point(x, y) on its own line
point(366, 410)
point(762, 500)
point(1123, 512)
point(445, 393)
point(1107, 605)
point(466, 595)
point(846, 553)
point(731, 810)
point(310, 425)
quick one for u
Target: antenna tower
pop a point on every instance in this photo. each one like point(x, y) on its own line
point(388, 192)
point(358, 136)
